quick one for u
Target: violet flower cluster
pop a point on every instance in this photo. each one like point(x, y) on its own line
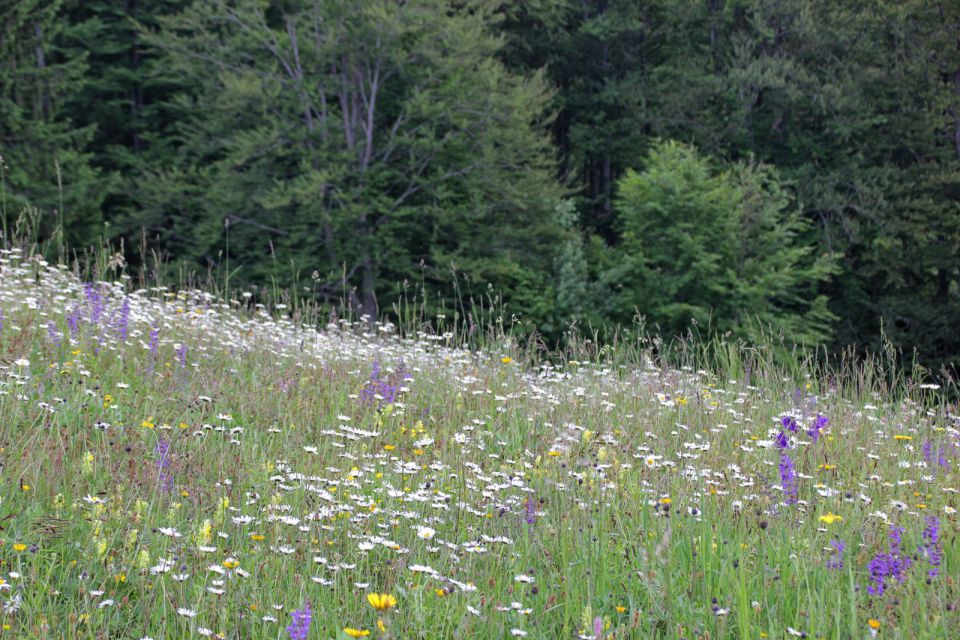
point(384, 389)
point(163, 464)
point(300, 626)
point(932, 548)
point(885, 567)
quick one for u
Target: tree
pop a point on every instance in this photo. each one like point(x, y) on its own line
point(47, 164)
point(720, 249)
point(362, 139)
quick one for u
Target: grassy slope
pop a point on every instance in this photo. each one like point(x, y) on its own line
point(638, 499)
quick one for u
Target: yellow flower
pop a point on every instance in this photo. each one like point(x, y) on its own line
point(355, 633)
point(620, 609)
point(899, 437)
point(389, 447)
point(382, 627)
point(830, 518)
point(873, 623)
point(381, 601)
point(554, 454)
point(665, 500)
point(506, 359)
point(148, 424)
point(19, 547)
point(230, 563)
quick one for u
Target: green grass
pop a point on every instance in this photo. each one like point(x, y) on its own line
point(635, 495)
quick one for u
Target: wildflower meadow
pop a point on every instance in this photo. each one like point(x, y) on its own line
point(177, 464)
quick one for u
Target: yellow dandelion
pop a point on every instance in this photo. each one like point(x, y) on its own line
point(356, 633)
point(901, 437)
point(18, 547)
point(506, 359)
point(830, 518)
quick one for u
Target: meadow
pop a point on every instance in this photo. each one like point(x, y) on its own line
point(179, 465)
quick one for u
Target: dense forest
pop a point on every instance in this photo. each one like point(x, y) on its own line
point(737, 164)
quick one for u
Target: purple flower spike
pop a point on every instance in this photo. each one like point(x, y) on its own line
point(300, 626)
point(818, 425)
point(788, 478)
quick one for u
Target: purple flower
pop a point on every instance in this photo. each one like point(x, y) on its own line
point(781, 441)
point(162, 450)
point(788, 478)
point(937, 457)
point(896, 540)
point(818, 425)
point(932, 549)
point(95, 300)
point(300, 626)
point(182, 356)
point(154, 340)
point(836, 558)
point(531, 509)
point(885, 566)
point(53, 334)
point(598, 627)
point(123, 320)
point(73, 321)
point(384, 390)
point(789, 424)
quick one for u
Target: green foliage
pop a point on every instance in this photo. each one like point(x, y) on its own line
point(389, 139)
point(373, 145)
point(716, 248)
point(50, 182)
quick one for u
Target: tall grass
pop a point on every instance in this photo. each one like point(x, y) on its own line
point(233, 463)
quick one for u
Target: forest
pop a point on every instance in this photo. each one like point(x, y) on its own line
point(735, 166)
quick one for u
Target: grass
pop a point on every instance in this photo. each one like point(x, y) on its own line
point(194, 467)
